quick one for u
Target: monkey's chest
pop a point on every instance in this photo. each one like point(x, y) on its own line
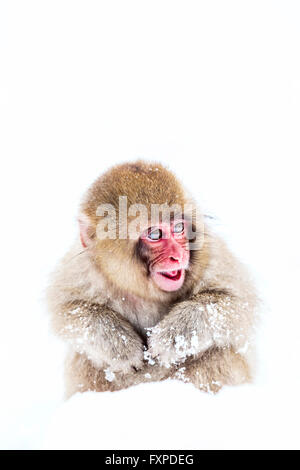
point(141, 315)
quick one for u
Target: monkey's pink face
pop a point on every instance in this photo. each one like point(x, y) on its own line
point(166, 249)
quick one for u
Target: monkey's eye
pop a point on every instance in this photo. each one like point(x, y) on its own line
point(178, 228)
point(155, 234)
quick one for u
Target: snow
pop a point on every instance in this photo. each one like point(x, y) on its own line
point(109, 375)
point(211, 89)
point(174, 415)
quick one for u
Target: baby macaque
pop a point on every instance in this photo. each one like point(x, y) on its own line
point(148, 292)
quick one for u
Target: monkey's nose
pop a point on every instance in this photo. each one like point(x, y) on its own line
point(175, 258)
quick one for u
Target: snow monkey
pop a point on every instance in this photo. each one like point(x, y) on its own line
point(147, 296)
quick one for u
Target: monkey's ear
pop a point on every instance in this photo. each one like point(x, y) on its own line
point(85, 230)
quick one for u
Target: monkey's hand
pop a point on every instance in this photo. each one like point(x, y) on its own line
point(193, 326)
point(119, 346)
point(103, 335)
point(180, 334)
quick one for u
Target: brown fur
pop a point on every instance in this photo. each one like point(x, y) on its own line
point(102, 301)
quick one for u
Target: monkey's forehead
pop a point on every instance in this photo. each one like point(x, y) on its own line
point(138, 183)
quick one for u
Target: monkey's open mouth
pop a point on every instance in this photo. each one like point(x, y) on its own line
point(174, 275)
point(169, 280)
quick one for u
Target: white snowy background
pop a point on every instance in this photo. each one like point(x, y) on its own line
point(210, 88)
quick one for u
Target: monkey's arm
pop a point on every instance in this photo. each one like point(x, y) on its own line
point(209, 319)
point(102, 334)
